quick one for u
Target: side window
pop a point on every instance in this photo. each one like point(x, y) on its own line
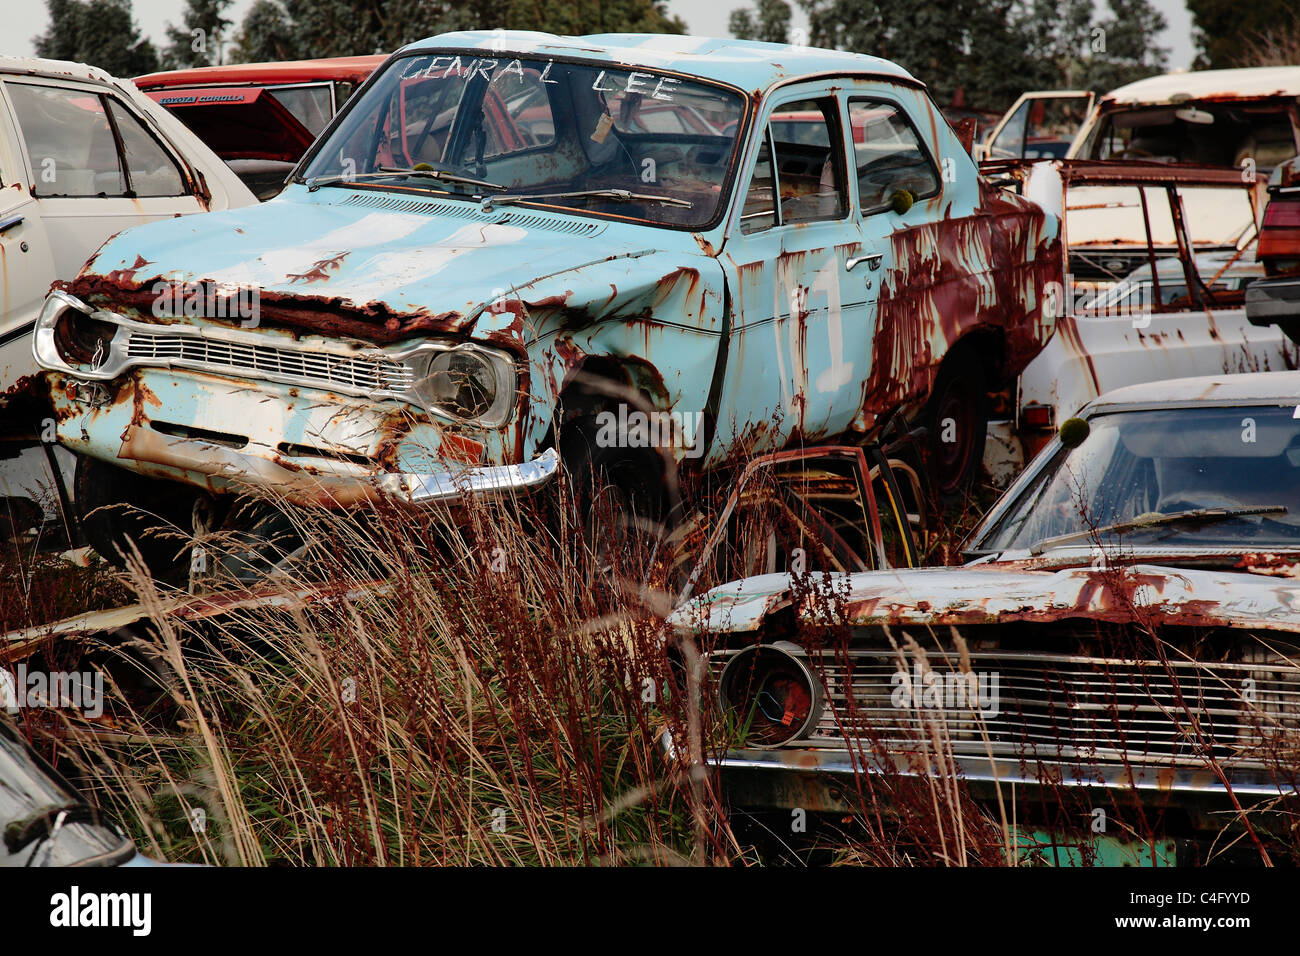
point(69, 141)
point(1010, 143)
point(310, 105)
point(152, 172)
point(888, 155)
point(808, 173)
point(808, 167)
point(759, 211)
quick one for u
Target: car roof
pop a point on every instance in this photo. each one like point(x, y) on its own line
point(1244, 84)
point(355, 68)
point(748, 64)
point(1281, 388)
point(55, 69)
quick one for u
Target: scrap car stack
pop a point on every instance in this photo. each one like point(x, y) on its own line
point(482, 261)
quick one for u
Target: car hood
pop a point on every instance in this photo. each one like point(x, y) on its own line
point(380, 266)
point(992, 593)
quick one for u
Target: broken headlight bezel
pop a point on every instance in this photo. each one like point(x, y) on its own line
point(57, 345)
point(466, 382)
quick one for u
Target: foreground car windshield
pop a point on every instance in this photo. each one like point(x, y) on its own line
point(1142, 467)
point(533, 126)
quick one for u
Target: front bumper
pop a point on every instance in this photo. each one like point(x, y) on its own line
point(451, 484)
point(309, 447)
point(825, 780)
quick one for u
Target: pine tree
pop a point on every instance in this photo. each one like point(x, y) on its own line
point(99, 32)
point(198, 40)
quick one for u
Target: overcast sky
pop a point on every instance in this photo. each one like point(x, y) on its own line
point(27, 18)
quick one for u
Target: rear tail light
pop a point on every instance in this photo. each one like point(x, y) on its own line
point(1279, 236)
point(1036, 416)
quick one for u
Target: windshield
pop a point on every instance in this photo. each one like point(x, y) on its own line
point(611, 140)
point(1212, 134)
point(1144, 466)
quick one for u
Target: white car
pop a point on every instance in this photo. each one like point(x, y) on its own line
point(82, 157)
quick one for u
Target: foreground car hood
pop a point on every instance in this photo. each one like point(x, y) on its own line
point(339, 265)
point(989, 594)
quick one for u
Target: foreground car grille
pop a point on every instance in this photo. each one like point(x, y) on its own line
point(317, 369)
point(1069, 710)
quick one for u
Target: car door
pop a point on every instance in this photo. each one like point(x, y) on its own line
point(799, 313)
point(95, 166)
point(1039, 125)
point(26, 263)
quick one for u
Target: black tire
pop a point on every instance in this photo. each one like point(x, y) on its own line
point(957, 420)
point(114, 506)
point(618, 500)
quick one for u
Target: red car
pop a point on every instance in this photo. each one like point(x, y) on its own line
point(260, 117)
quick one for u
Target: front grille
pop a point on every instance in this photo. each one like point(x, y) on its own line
point(348, 373)
point(1066, 709)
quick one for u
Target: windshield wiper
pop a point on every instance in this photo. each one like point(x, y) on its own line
point(44, 825)
point(618, 195)
point(1193, 516)
point(393, 172)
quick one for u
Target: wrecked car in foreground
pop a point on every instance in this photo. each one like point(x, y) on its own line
point(1125, 635)
point(490, 247)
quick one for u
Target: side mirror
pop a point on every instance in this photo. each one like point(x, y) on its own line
point(901, 201)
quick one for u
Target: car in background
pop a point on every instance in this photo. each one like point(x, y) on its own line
point(1039, 125)
point(1276, 299)
point(1124, 635)
point(1244, 119)
point(1207, 117)
point(1118, 321)
point(82, 156)
point(260, 117)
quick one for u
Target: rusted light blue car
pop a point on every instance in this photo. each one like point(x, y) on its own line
point(648, 243)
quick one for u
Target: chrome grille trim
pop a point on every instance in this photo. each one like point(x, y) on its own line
point(347, 373)
point(1066, 710)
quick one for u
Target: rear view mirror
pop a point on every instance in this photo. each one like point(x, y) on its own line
point(1192, 115)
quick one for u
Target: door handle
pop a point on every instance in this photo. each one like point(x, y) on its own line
point(872, 260)
point(9, 223)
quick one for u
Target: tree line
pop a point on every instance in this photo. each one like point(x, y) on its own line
point(981, 53)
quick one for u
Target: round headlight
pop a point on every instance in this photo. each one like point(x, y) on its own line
point(461, 381)
point(771, 693)
point(82, 340)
